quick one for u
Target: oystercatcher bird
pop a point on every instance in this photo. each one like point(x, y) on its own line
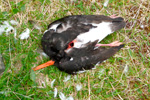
point(72, 42)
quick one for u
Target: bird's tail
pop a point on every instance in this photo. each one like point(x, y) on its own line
point(117, 24)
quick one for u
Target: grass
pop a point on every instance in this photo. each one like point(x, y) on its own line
point(109, 81)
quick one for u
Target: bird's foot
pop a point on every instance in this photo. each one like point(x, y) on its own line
point(113, 16)
point(113, 44)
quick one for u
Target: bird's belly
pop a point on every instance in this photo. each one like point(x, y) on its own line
point(103, 29)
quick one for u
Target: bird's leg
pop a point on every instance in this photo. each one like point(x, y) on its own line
point(113, 44)
point(113, 16)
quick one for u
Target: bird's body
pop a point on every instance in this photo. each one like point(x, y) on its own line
point(72, 41)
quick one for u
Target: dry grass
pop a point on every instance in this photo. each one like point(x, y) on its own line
point(124, 76)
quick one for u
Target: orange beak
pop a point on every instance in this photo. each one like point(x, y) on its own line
point(49, 63)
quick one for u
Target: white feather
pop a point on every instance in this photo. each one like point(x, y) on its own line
point(45, 31)
point(54, 26)
point(62, 96)
point(55, 92)
point(70, 98)
point(13, 22)
point(52, 83)
point(6, 27)
point(96, 65)
point(64, 27)
point(106, 3)
point(81, 71)
point(126, 68)
point(25, 34)
point(66, 78)
point(78, 87)
point(99, 33)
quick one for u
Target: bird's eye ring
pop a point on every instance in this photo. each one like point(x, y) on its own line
point(71, 44)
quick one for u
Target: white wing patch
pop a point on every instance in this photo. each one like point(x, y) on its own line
point(64, 27)
point(103, 29)
point(54, 26)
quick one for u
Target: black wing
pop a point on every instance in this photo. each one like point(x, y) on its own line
point(86, 58)
point(77, 20)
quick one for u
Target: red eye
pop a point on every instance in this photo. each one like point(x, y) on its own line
point(71, 44)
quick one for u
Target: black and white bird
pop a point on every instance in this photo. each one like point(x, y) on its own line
point(72, 42)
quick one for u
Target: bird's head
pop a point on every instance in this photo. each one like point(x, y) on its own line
point(55, 44)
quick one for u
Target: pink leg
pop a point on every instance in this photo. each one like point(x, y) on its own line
point(113, 16)
point(113, 44)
